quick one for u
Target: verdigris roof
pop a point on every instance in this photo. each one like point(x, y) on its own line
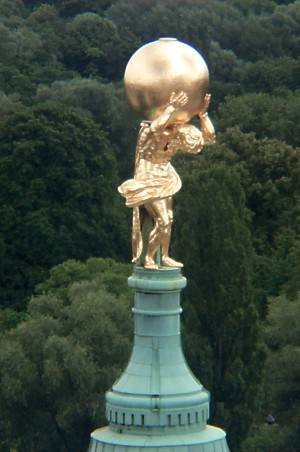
point(157, 404)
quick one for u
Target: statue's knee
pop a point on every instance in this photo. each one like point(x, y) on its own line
point(163, 223)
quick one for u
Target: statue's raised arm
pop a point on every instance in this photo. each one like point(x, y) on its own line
point(177, 100)
point(207, 128)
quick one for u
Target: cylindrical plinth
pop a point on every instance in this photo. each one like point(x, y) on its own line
point(157, 404)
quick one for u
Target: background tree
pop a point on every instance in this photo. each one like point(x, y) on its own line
point(11, 7)
point(269, 116)
point(58, 196)
point(271, 74)
point(56, 366)
point(269, 171)
point(92, 46)
point(106, 104)
point(213, 239)
point(69, 8)
point(281, 385)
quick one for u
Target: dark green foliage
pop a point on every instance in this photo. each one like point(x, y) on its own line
point(213, 240)
point(72, 7)
point(69, 8)
point(281, 380)
point(267, 437)
point(10, 8)
point(189, 21)
point(107, 105)
point(92, 46)
point(279, 272)
point(254, 6)
point(56, 366)
point(58, 196)
point(266, 115)
point(9, 104)
point(9, 318)
point(109, 273)
point(29, 52)
point(270, 172)
point(292, 269)
point(272, 73)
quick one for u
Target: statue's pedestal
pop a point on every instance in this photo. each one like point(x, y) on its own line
point(157, 404)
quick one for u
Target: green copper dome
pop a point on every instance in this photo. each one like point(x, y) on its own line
point(157, 404)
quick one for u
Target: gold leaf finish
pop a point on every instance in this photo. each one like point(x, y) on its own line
point(166, 81)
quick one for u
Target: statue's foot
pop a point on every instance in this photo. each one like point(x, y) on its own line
point(169, 262)
point(150, 264)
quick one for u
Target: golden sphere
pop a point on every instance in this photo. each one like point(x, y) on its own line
point(161, 67)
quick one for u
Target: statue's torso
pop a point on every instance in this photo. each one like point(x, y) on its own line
point(155, 147)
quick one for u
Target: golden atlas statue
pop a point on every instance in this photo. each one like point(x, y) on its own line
point(166, 81)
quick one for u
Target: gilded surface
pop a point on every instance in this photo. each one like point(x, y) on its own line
point(161, 67)
point(150, 192)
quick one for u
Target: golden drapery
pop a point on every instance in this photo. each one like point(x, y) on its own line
point(152, 181)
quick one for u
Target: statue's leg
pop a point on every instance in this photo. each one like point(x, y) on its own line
point(146, 228)
point(162, 214)
point(137, 242)
point(166, 233)
point(159, 212)
point(166, 238)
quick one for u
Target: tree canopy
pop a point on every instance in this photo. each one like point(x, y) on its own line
point(58, 195)
point(56, 366)
point(222, 317)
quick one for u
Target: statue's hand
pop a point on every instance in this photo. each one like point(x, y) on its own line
point(205, 107)
point(178, 100)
